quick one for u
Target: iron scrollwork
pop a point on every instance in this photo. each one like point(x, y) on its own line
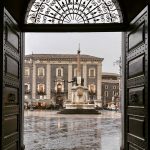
point(73, 12)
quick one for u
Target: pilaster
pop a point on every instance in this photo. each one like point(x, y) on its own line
point(48, 83)
point(34, 80)
point(99, 80)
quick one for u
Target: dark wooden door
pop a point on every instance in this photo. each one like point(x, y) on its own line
point(11, 104)
point(136, 84)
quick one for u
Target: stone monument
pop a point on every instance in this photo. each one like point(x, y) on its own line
point(79, 103)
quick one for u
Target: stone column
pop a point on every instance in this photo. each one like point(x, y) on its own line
point(48, 83)
point(99, 82)
point(34, 88)
point(85, 74)
point(69, 79)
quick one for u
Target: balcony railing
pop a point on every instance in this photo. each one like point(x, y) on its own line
point(59, 92)
point(41, 92)
point(27, 91)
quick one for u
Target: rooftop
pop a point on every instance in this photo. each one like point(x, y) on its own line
point(61, 56)
point(110, 74)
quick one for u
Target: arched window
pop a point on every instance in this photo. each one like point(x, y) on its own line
point(73, 12)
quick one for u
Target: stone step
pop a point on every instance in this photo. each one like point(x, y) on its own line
point(79, 111)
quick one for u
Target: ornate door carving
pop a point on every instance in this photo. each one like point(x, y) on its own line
point(136, 84)
point(12, 85)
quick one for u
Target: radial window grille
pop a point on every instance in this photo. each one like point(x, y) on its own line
point(73, 12)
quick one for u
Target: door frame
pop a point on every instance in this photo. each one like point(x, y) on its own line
point(90, 28)
point(74, 28)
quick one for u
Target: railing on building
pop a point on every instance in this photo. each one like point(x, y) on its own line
point(41, 92)
point(27, 92)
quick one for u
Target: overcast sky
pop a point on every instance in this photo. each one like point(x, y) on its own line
point(103, 44)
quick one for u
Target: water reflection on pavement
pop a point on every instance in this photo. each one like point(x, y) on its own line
point(47, 130)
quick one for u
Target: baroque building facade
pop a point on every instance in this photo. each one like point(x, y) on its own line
point(47, 77)
point(110, 89)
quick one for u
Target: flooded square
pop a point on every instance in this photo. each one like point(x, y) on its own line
point(47, 130)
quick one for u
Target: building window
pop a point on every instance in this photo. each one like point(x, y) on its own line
point(26, 97)
point(59, 72)
point(114, 93)
point(75, 72)
point(114, 87)
point(41, 88)
point(106, 86)
point(27, 71)
point(26, 88)
point(92, 91)
point(92, 72)
point(41, 72)
point(92, 88)
point(59, 87)
point(106, 93)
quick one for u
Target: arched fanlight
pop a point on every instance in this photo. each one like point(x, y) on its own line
point(73, 12)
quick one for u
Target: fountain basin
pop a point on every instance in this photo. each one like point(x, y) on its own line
point(79, 109)
point(80, 106)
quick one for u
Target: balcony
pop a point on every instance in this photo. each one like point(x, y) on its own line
point(27, 92)
point(59, 92)
point(41, 92)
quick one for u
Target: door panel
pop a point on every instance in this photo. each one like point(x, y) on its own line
point(136, 84)
point(12, 83)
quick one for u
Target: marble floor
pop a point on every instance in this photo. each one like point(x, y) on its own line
point(47, 130)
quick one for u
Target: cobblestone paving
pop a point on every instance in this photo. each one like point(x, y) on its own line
point(47, 130)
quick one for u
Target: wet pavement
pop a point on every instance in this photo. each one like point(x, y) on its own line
point(47, 130)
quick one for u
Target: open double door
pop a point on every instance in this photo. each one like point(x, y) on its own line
point(136, 104)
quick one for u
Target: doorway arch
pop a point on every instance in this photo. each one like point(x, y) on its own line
point(32, 21)
point(128, 140)
point(73, 12)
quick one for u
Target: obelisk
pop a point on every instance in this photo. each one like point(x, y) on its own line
point(78, 68)
point(79, 103)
